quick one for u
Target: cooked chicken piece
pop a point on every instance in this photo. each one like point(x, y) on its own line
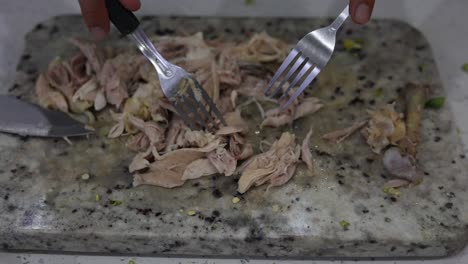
point(263, 48)
point(117, 129)
point(277, 165)
point(306, 155)
point(85, 90)
point(384, 128)
point(138, 142)
point(223, 161)
point(77, 68)
point(234, 119)
point(253, 87)
point(168, 170)
point(339, 135)
point(396, 183)
point(100, 101)
point(199, 139)
point(49, 98)
point(176, 132)
point(91, 52)
point(307, 106)
point(154, 131)
point(60, 79)
point(277, 118)
point(199, 168)
point(401, 166)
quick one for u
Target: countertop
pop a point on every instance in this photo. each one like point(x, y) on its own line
point(437, 20)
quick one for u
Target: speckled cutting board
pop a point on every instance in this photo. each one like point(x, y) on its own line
point(46, 206)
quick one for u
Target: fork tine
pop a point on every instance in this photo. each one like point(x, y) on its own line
point(304, 85)
point(183, 114)
point(291, 56)
point(298, 77)
point(211, 104)
point(198, 107)
point(298, 65)
point(193, 108)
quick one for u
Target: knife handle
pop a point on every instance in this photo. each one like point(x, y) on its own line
point(122, 18)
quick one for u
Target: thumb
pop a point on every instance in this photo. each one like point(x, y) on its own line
point(361, 10)
point(95, 17)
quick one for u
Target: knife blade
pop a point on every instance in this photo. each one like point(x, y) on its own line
point(26, 119)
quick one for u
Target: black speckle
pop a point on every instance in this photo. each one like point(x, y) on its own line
point(356, 101)
point(53, 30)
point(369, 160)
point(298, 199)
point(25, 57)
point(390, 77)
point(216, 213)
point(5, 246)
point(448, 205)
point(109, 191)
point(11, 208)
point(217, 193)
point(6, 197)
point(420, 47)
point(365, 211)
point(388, 220)
point(308, 209)
point(462, 156)
point(372, 102)
point(383, 176)
point(74, 211)
point(393, 199)
point(361, 77)
point(227, 30)
point(437, 139)
point(392, 249)
point(453, 162)
point(196, 184)
point(39, 27)
point(340, 182)
point(373, 241)
point(441, 187)
point(349, 32)
point(365, 175)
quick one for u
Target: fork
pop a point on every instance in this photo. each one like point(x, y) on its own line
point(189, 98)
point(305, 61)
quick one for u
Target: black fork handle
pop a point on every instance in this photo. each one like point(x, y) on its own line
point(122, 18)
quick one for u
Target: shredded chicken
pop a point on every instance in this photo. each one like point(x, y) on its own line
point(401, 166)
point(275, 166)
point(384, 128)
point(340, 135)
point(96, 82)
point(306, 155)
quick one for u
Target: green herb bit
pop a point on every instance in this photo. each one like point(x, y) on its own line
point(131, 261)
point(422, 67)
point(435, 103)
point(378, 92)
point(392, 191)
point(351, 45)
point(248, 2)
point(97, 198)
point(345, 224)
point(465, 67)
point(115, 202)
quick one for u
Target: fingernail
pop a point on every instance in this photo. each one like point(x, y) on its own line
point(362, 13)
point(98, 33)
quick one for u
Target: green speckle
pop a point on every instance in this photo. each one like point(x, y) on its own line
point(352, 45)
point(435, 103)
point(392, 191)
point(378, 92)
point(345, 224)
point(248, 2)
point(422, 67)
point(115, 202)
point(97, 197)
point(131, 261)
point(465, 67)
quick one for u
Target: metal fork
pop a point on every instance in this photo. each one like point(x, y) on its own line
point(305, 61)
point(191, 101)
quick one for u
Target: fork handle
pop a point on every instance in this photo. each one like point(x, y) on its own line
point(122, 18)
point(340, 19)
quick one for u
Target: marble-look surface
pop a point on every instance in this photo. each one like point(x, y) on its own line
point(55, 210)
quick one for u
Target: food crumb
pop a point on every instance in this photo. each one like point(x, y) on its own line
point(85, 176)
point(181, 210)
point(345, 224)
point(276, 208)
point(97, 198)
point(191, 213)
point(235, 200)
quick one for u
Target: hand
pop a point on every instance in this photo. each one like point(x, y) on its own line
point(361, 10)
point(96, 18)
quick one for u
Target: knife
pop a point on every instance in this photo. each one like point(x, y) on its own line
point(26, 119)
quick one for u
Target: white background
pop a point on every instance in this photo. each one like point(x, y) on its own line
point(442, 22)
